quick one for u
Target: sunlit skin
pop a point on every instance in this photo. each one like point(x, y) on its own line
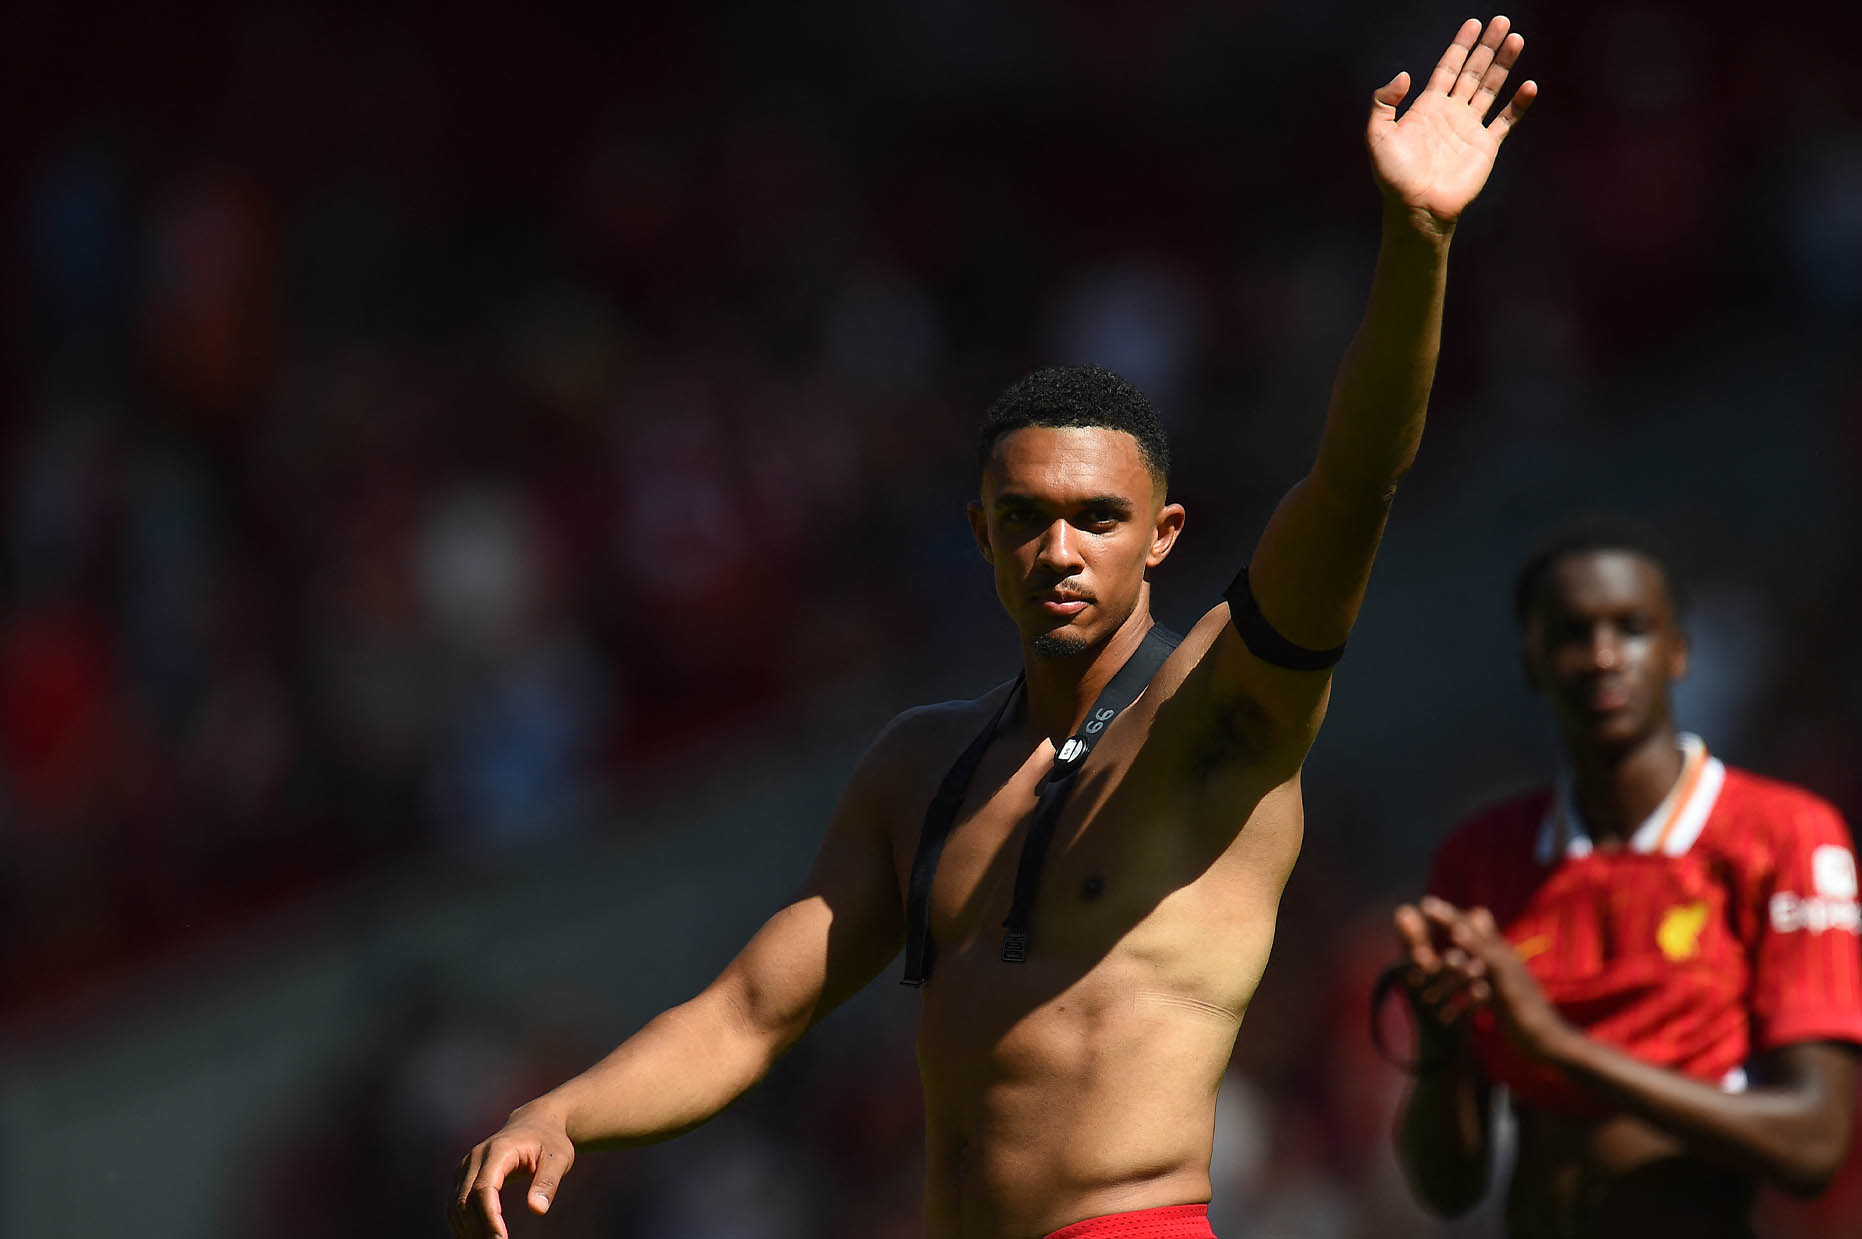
point(1082, 1081)
point(1130, 1003)
point(1603, 645)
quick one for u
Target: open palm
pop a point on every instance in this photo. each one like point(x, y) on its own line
point(1436, 157)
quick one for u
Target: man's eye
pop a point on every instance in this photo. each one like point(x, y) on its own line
point(1634, 625)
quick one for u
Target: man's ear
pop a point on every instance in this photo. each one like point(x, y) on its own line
point(1678, 661)
point(1169, 524)
point(1531, 632)
point(979, 529)
point(1527, 671)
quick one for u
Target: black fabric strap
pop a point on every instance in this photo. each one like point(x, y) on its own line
point(939, 815)
point(1125, 686)
point(1261, 639)
point(1391, 980)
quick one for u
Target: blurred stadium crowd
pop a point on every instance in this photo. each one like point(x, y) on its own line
point(429, 436)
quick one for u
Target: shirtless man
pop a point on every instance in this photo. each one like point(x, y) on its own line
point(1072, 1075)
point(1658, 957)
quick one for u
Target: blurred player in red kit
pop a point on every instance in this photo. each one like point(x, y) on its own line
point(1658, 957)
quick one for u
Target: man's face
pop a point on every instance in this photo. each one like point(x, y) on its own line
point(1603, 644)
point(1070, 519)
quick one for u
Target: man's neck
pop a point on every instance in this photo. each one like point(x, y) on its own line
point(1617, 790)
point(1062, 689)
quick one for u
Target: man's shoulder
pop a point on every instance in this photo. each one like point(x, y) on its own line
point(1759, 809)
point(1511, 823)
point(1746, 790)
point(935, 733)
point(1489, 858)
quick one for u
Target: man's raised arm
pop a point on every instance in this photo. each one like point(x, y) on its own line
point(1296, 602)
point(692, 1061)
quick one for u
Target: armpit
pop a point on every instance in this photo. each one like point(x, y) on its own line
point(1238, 729)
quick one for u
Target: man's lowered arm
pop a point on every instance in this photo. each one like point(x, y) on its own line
point(690, 1062)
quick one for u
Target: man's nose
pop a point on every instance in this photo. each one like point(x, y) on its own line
point(1605, 651)
point(1059, 549)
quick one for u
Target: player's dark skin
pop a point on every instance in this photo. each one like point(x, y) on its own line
point(1603, 645)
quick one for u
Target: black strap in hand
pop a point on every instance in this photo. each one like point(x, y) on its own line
point(1396, 977)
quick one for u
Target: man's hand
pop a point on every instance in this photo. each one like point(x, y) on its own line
point(1436, 158)
point(1478, 967)
point(1444, 1136)
point(1442, 987)
point(533, 1143)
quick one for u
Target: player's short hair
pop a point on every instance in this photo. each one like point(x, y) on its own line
point(1083, 395)
point(1586, 535)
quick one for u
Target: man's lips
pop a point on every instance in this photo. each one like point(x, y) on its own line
point(1603, 698)
point(1061, 602)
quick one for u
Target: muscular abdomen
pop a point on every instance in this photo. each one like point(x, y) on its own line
point(1068, 1087)
point(1083, 1081)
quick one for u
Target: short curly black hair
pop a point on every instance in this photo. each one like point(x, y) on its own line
point(1594, 533)
point(1082, 395)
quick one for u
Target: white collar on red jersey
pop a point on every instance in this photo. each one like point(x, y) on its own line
point(1671, 829)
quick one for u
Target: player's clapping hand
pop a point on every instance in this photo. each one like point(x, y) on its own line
point(1477, 966)
point(1443, 984)
point(1436, 156)
point(532, 1144)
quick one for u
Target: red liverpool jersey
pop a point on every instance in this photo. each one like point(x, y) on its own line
point(1726, 925)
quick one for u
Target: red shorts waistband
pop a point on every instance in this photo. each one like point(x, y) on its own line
point(1168, 1222)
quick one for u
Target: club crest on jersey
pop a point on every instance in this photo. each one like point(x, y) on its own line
point(1679, 933)
point(1833, 872)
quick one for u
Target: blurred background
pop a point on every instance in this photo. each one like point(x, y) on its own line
point(474, 479)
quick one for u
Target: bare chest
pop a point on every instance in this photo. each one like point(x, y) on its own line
point(1139, 861)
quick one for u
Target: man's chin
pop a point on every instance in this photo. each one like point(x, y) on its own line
point(1059, 643)
point(1616, 732)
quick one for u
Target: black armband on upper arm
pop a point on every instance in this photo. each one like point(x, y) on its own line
point(1261, 639)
